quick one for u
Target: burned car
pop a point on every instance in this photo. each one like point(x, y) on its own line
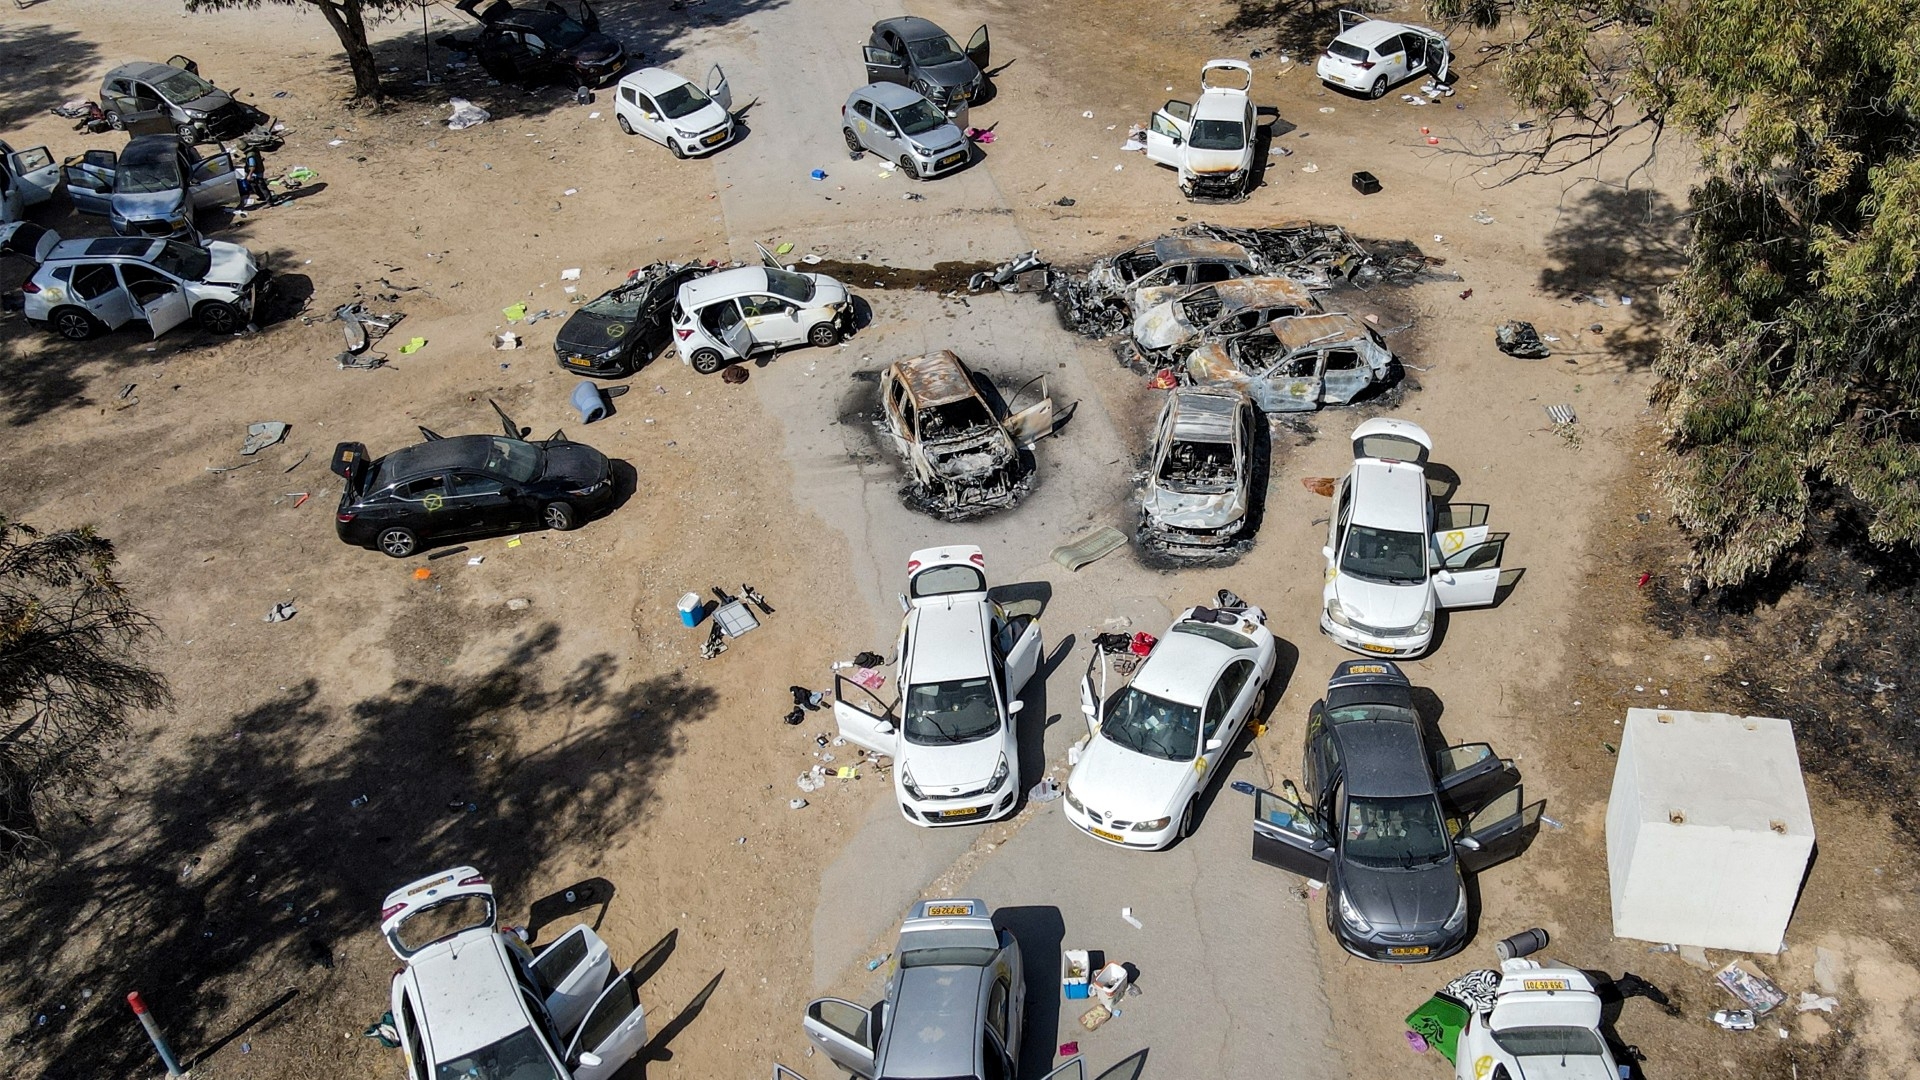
point(1298, 364)
point(965, 458)
point(1199, 490)
point(547, 44)
point(1174, 315)
point(1170, 260)
point(614, 334)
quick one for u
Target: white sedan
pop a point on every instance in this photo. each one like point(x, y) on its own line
point(963, 661)
point(675, 113)
point(1545, 1021)
point(1156, 742)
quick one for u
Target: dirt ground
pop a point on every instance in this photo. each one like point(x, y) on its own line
point(230, 869)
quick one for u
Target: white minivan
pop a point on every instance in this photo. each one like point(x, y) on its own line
point(727, 317)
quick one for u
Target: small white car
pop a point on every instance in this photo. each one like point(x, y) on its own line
point(1209, 141)
point(27, 178)
point(673, 112)
point(1545, 1021)
point(1393, 557)
point(726, 317)
point(1171, 316)
point(963, 662)
point(1370, 55)
point(473, 1001)
point(1156, 742)
point(82, 287)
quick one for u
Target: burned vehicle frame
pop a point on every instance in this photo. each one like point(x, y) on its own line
point(1199, 492)
point(1298, 364)
point(966, 457)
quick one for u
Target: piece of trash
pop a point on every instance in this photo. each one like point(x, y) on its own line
point(594, 115)
point(571, 191)
point(818, 174)
point(796, 804)
point(1551, 823)
point(1068, 1049)
point(1326, 108)
point(1094, 1017)
point(1810, 1001)
point(1045, 791)
point(358, 800)
point(572, 273)
point(1626, 301)
point(262, 435)
point(1088, 115)
point(874, 964)
point(413, 346)
point(338, 142)
point(507, 340)
point(1561, 414)
point(1117, 168)
point(476, 560)
point(870, 678)
point(810, 259)
point(1758, 991)
point(1735, 1019)
point(1310, 167)
point(466, 114)
point(1093, 546)
point(783, 248)
point(1126, 914)
point(1519, 339)
point(1063, 201)
point(518, 603)
point(1482, 217)
point(422, 574)
point(1416, 1042)
point(280, 612)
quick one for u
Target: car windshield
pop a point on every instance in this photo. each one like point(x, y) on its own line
point(566, 34)
point(1549, 1041)
point(147, 177)
point(1385, 555)
point(683, 99)
point(1215, 632)
point(184, 261)
point(1347, 50)
point(787, 284)
point(958, 711)
point(618, 304)
point(516, 460)
point(935, 51)
point(918, 118)
point(184, 86)
point(519, 1056)
point(948, 956)
point(1153, 725)
point(1218, 135)
point(1395, 832)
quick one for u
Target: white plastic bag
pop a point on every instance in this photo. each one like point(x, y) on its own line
point(466, 114)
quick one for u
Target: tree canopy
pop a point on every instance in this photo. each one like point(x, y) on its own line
point(348, 18)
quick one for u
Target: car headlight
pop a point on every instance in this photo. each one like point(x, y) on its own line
point(609, 354)
point(1067, 790)
point(1351, 915)
point(1459, 915)
point(923, 88)
point(1337, 614)
point(921, 150)
point(906, 782)
point(591, 488)
point(1425, 624)
point(1153, 825)
point(685, 134)
point(195, 114)
point(999, 774)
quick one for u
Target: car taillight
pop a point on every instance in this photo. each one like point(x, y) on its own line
point(29, 287)
point(476, 879)
point(912, 565)
point(1364, 65)
point(682, 334)
point(345, 516)
point(391, 910)
point(977, 559)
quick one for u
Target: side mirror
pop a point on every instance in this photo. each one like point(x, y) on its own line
point(1468, 843)
point(1326, 553)
point(1015, 708)
point(1444, 575)
point(589, 1059)
point(1088, 710)
point(1214, 744)
point(887, 729)
point(904, 606)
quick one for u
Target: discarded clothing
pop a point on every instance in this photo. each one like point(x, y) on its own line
point(1520, 339)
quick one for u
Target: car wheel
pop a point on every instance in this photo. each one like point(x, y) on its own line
point(913, 171)
point(73, 323)
point(558, 516)
point(216, 317)
point(398, 542)
point(707, 361)
point(854, 149)
point(678, 150)
point(625, 128)
point(115, 122)
point(187, 133)
point(1379, 88)
point(1189, 820)
point(823, 336)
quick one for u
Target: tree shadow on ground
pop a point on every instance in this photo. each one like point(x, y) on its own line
point(37, 65)
point(253, 853)
point(1611, 243)
point(1297, 28)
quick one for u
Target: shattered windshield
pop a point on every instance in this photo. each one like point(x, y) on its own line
point(1198, 468)
point(618, 304)
point(919, 117)
point(566, 34)
point(1218, 135)
point(1385, 555)
point(683, 99)
point(184, 261)
point(148, 177)
point(519, 1056)
point(1395, 832)
point(787, 284)
point(958, 711)
point(184, 86)
point(935, 51)
point(1153, 725)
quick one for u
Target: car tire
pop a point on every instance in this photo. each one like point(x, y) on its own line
point(115, 121)
point(558, 516)
point(854, 149)
point(187, 132)
point(625, 128)
point(1379, 88)
point(912, 170)
point(823, 336)
point(678, 150)
point(217, 317)
point(398, 541)
point(73, 323)
point(707, 361)
point(1189, 820)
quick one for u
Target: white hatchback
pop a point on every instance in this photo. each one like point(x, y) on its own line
point(1543, 1021)
point(1209, 141)
point(963, 661)
point(729, 316)
point(1370, 55)
point(673, 112)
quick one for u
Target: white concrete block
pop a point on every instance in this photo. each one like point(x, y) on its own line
point(1708, 830)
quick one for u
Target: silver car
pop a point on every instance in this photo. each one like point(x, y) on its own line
point(1198, 493)
point(902, 126)
point(153, 187)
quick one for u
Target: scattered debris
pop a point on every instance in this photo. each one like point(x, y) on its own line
point(466, 114)
point(1521, 340)
point(1758, 991)
point(1810, 1001)
point(1095, 545)
point(1126, 915)
point(262, 435)
point(280, 612)
point(1735, 1019)
point(518, 603)
point(1561, 414)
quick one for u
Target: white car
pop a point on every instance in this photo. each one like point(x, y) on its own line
point(27, 178)
point(82, 287)
point(1155, 743)
point(1393, 557)
point(1209, 141)
point(1545, 1021)
point(1370, 55)
point(472, 1001)
point(673, 112)
point(963, 662)
point(729, 316)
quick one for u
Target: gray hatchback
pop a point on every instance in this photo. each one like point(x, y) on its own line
point(174, 94)
point(902, 126)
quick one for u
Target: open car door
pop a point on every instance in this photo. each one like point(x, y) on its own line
point(1286, 835)
point(1350, 17)
point(979, 48)
point(1090, 696)
point(90, 180)
point(1470, 577)
point(184, 63)
point(1498, 831)
point(1470, 775)
point(1167, 133)
point(614, 1031)
point(579, 11)
point(27, 240)
point(718, 89)
point(215, 182)
point(573, 970)
point(1017, 640)
point(869, 725)
point(37, 173)
point(843, 1030)
point(884, 65)
point(166, 311)
point(1033, 423)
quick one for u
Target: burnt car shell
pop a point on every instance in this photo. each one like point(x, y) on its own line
point(1299, 363)
point(616, 333)
point(963, 457)
point(1171, 260)
point(1197, 491)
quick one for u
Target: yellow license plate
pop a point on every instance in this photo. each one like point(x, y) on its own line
point(1408, 950)
point(713, 138)
point(1339, 80)
point(1543, 984)
point(949, 910)
point(968, 812)
point(579, 361)
point(1371, 647)
point(1105, 835)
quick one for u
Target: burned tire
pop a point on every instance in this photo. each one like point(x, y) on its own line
point(73, 323)
point(707, 361)
point(558, 516)
point(625, 128)
point(216, 317)
point(398, 542)
point(823, 336)
point(1379, 88)
point(854, 149)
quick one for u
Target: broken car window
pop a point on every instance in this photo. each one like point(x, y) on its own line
point(185, 86)
point(184, 261)
point(1153, 725)
point(935, 51)
point(148, 176)
point(959, 711)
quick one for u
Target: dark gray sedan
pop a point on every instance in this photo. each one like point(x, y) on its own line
point(1392, 826)
point(916, 53)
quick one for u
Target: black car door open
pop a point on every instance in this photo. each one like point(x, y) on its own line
point(1498, 831)
point(1286, 835)
point(1470, 775)
point(478, 503)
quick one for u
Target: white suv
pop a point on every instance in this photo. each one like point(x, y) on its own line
point(84, 286)
point(963, 661)
point(1210, 140)
point(473, 1000)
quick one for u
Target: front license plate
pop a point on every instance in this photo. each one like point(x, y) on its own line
point(1105, 835)
point(1408, 950)
point(1370, 647)
point(952, 159)
point(713, 139)
point(579, 361)
point(968, 812)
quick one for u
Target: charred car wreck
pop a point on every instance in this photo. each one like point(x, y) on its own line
point(1297, 364)
point(1167, 318)
point(1199, 490)
point(965, 458)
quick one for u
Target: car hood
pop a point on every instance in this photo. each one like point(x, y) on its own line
point(591, 333)
point(1161, 325)
point(576, 464)
point(1120, 783)
point(705, 118)
point(956, 73)
point(1389, 607)
point(207, 103)
point(230, 264)
point(941, 139)
point(938, 769)
point(1396, 900)
point(146, 205)
point(1197, 511)
point(1216, 161)
point(826, 291)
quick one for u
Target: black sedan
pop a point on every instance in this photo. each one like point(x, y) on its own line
point(616, 333)
point(1392, 826)
point(914, 52)
point(468, 485)
point(528, 46)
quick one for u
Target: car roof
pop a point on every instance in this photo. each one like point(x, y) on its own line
point(1372, 32)
point(1182, 668)
point(1206, 413)
point(935, 1022)
point(1300, 331)
point(948, 642)
point(1389, 495)
point(1258, 292)
point(105, 247)
point(724, 283)
point(1220, 104)
point(1384, 758)
point(467, 996)
point(144, 70)
point(935, 379)
point(889, 95)
point(653, 80)
point(447, 453)
point(1173, 249)
point(529, 19)
point(911, 27)
point(145, 148)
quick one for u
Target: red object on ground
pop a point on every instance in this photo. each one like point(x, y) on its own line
point(139, 1007)
point(1143, 643)
point(1644, 578)
point(1164, 379)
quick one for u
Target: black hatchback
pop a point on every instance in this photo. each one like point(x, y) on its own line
point(1392, 826)
point(468, 485)
point(616, 333)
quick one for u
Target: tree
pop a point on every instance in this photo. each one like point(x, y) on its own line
point(349, 21)
point(1792, 360)
point(69, 675)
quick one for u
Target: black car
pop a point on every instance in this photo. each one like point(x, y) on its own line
point(617, 332)
point(917, 53)
point(1392, 826)
point(527, 45)
point(468, 485)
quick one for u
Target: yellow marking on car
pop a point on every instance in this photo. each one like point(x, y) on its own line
point(434, 501)
point(1408, 950)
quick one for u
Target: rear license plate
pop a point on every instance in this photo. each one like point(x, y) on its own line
point(1339, 80)
point(1543, 984)
point(1370, 647)
point(968, 812)
point(949, 911)
point(1105, 835)
point(1409, 950)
